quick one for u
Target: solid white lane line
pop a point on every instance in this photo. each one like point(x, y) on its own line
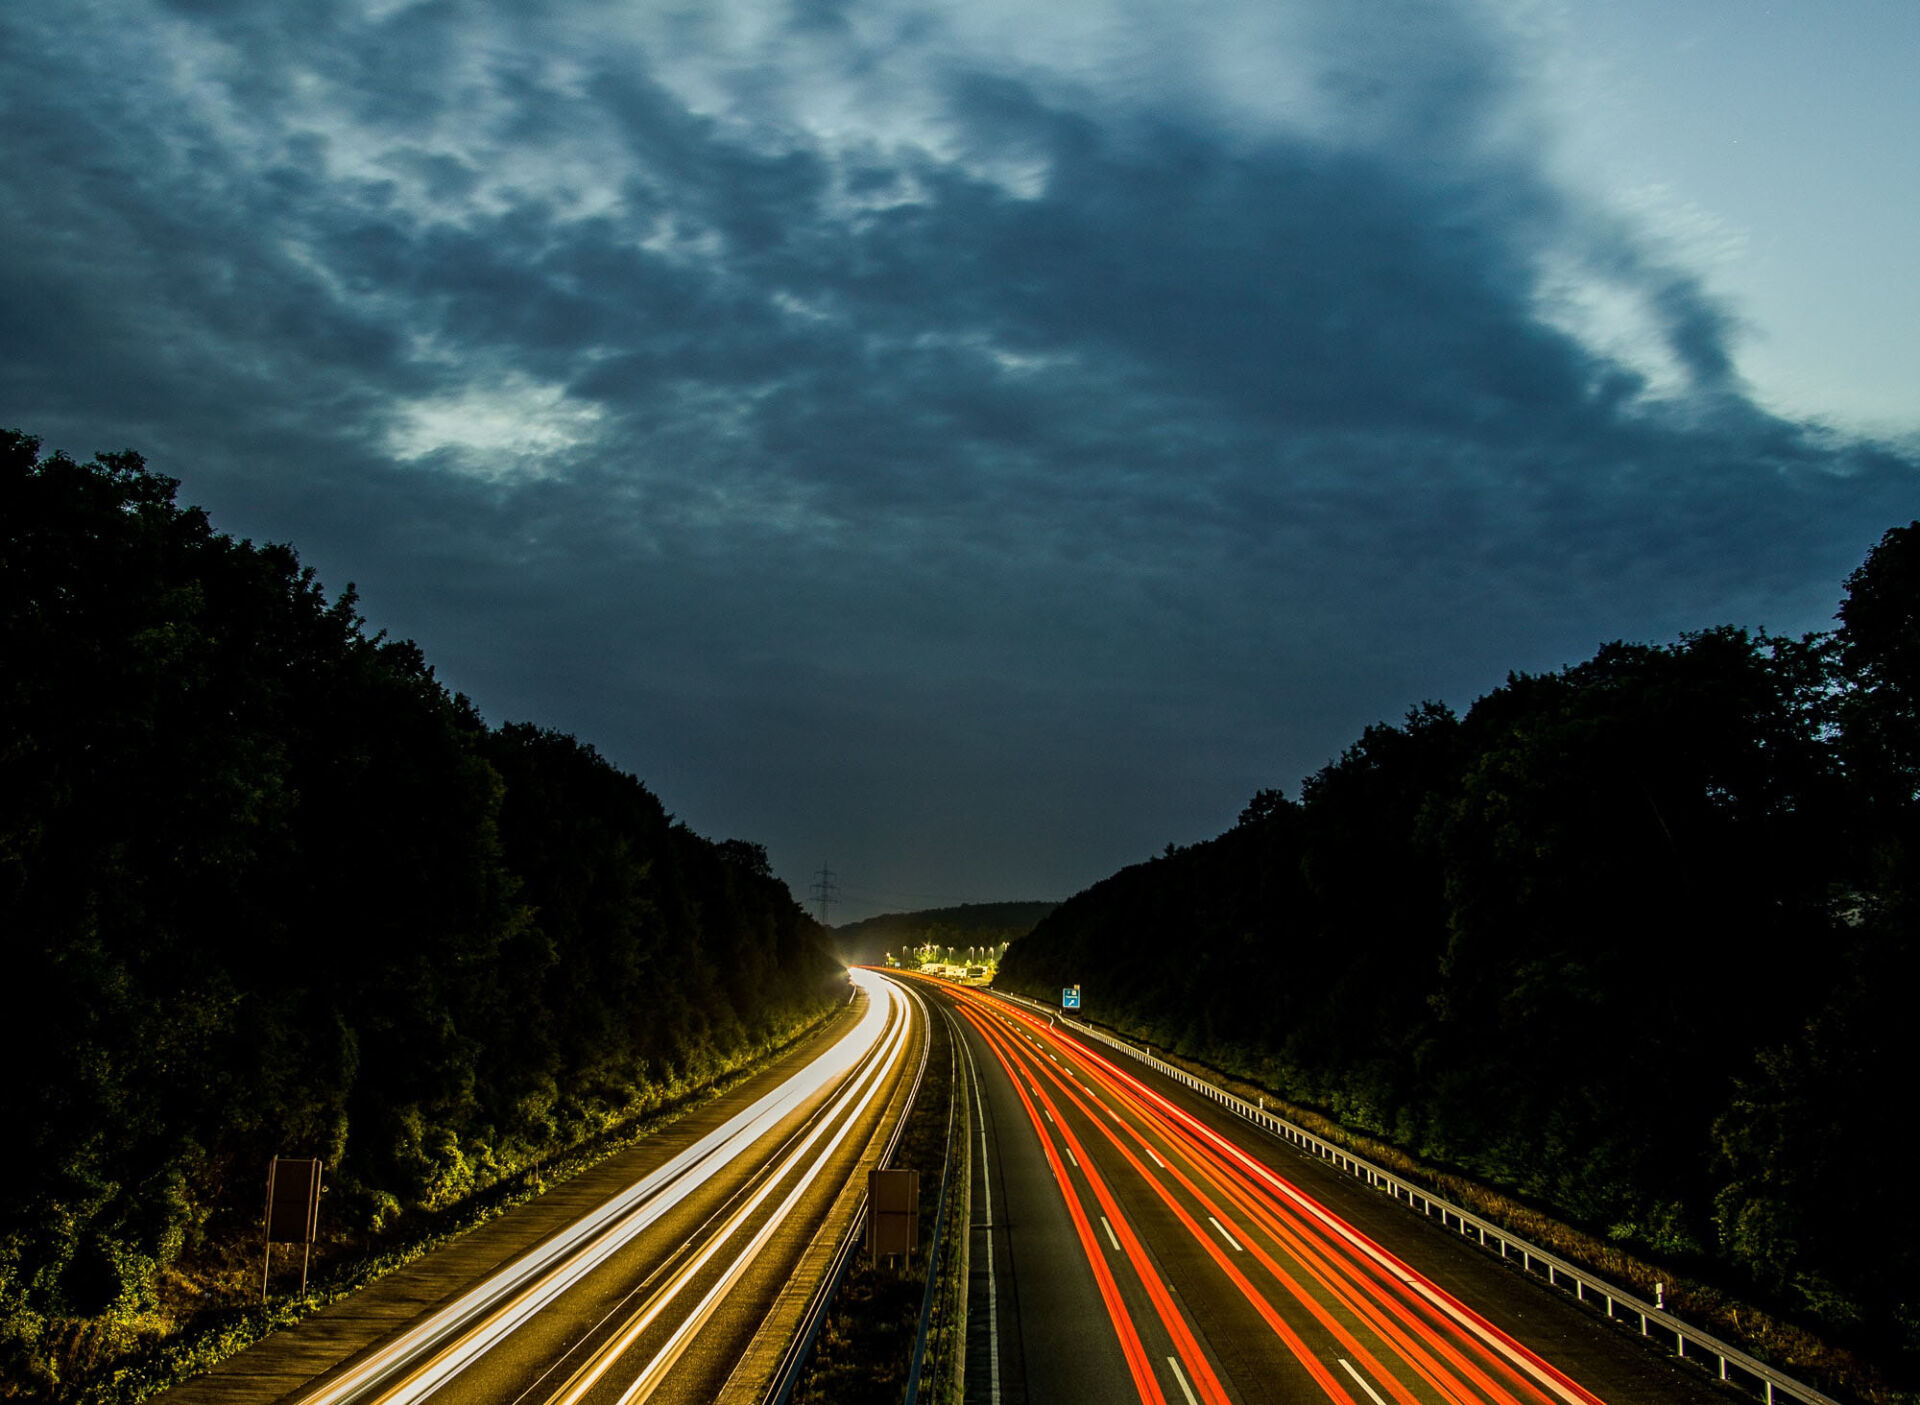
point(1111, 1236)
point(1181, 1377)
point(1365, 1384)
point(1224, 1235)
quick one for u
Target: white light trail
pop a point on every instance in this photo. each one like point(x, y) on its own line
point(856, 1097)
point(466, 1329)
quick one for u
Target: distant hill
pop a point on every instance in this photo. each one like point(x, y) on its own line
point(970, 924)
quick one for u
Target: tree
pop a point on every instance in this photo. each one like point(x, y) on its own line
point(267, 886)
point(1879, 641)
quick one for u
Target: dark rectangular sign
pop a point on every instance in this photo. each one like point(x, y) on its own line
point(893, 1213)
point(293, 1200)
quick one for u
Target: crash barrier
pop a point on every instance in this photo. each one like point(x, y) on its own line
point(787, 1375)
point(956, 1152)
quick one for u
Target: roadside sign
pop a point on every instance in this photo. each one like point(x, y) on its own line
point(293, 1211)
point(893, 1213)
point(293, 1200)
point(1070, 998)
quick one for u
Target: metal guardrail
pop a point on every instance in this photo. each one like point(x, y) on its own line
point(956, 1121)
point(1735, 1366)
point(787, 1375)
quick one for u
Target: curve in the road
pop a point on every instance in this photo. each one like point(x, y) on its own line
point(428, 1358)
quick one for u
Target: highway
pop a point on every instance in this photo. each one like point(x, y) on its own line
point(1130, 1242)
point(685, 1284)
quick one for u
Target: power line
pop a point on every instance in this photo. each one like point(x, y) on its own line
point(823, 891)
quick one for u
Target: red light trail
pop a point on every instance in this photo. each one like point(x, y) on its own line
point(1345, 1309)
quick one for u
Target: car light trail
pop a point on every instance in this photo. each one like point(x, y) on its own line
point(1348, 1285)
point(1450, 1387)
point(1131, 1347)
point(1156, 1288)
point(425, 1358)
point(1537, 1376)
point(1301, 1250)
point(1260, 1303)
point(842, 1117)
point(1212, 1392)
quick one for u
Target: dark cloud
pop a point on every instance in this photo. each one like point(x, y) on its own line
point(978, 504)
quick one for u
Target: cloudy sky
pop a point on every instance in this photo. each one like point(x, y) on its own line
point(975, 444)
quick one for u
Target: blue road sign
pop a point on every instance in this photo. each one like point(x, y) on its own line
point(1070, 998)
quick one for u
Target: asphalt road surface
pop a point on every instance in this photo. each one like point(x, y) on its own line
point(1132, 1241)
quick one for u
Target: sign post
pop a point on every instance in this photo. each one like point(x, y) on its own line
point(293, 1212)
point(1070, 998)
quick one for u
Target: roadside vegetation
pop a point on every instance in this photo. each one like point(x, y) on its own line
point(267, 887)
point(1630, 945)
point(863, 1355)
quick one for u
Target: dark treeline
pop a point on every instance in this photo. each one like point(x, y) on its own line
point(267, 887)
point(1633, 940)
